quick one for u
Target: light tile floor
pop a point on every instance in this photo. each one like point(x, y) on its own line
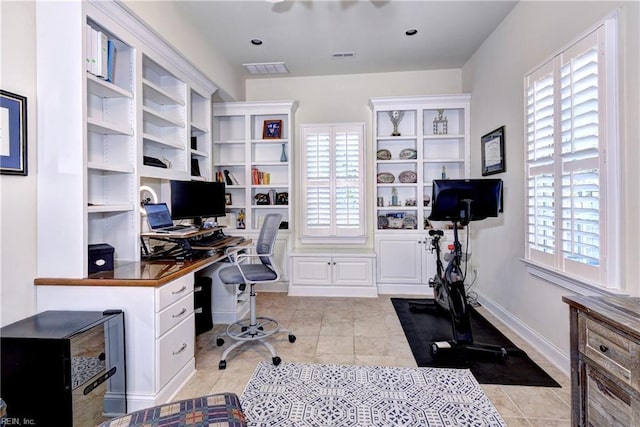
point(362, 331)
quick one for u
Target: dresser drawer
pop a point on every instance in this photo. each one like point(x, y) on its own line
point(173, 291)
point(613, 352)
point(174, 350)
point(608, 405)
point(174, 314)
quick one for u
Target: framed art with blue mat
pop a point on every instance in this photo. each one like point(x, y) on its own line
point(421, 329)
point(13, 134)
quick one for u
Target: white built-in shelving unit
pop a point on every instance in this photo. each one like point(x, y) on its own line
point(93, 134)
point(240, 149)
point(405, 166)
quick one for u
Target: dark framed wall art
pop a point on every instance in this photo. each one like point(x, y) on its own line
point(13, 134)
point(492, 149)
point(272, 129)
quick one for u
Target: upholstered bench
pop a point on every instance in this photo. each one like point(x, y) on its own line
point(219, 410)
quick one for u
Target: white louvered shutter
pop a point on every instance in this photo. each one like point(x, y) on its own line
point(571, 113)
point(333, 184)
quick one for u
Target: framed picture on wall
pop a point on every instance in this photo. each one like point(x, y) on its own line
point(272, 129)
point(13, 134)
point(492, 149)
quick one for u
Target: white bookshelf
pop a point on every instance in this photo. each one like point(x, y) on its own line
point(93, 133)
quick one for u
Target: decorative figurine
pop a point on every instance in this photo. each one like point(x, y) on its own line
point(440, 124)
point(396, 117)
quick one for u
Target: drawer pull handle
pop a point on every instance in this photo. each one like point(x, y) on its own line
point(184, 310)
point(182, 289)
point(603, 348)
point(183, 348)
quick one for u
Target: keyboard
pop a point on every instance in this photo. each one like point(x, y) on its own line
point(177, 228)
point(213, 241)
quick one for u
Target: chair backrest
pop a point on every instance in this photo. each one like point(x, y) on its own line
point(267, 237)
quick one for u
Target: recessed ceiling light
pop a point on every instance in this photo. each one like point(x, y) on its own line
point(411, 32)
point(256, 42)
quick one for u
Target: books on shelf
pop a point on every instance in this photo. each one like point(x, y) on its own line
point(227, 177)
point(260, 178)
point(100, 54)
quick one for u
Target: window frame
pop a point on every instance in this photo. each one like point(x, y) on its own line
point(334, 234)
point(556, 268)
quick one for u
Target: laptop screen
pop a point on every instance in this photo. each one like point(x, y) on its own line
point(158, 215)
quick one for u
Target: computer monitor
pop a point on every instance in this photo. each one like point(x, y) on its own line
point(197, 200)
point(450, 196)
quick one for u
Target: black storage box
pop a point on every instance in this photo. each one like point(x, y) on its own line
point(100, 257)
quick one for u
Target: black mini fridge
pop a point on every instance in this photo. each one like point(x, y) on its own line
point(64, 368)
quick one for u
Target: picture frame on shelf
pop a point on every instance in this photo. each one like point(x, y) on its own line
point(228, 200)
point(272, 129)
point(492, 150)
point(13, 134)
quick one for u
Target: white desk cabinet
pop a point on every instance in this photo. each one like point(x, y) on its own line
point(332, 274)
point(159, 332)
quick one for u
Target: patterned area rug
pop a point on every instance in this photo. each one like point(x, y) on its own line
point(295, 394)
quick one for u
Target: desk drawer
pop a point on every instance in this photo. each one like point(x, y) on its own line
point(613, 352)
point(174, 314)
point(175, 349)
point(173, 291)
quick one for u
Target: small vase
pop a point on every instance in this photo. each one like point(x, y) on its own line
point(283, 156)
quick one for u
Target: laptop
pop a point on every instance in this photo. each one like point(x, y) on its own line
point(160, 221)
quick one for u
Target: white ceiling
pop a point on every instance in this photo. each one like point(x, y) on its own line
point(305, 34)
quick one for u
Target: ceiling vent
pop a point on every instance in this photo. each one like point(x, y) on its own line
point(266, 68)
point(341, 55)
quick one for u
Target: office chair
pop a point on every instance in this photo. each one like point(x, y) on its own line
point(243, 274)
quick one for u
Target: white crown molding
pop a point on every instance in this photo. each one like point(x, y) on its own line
point(153, 40)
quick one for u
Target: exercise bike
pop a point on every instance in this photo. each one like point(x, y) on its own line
point(448, 283)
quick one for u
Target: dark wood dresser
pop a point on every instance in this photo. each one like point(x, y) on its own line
point(605, 360)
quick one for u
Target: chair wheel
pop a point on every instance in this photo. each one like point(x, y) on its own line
point(276, 361)
point(292, 338)
point(219, 342)
point(222, 364)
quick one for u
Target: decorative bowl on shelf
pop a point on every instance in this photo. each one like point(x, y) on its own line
point(407, 177)
point(383, 154)
point(386, 178)
point(408, 153)
point(410, 222)
point(395, 223)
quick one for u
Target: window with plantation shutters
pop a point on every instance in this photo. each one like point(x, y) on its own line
point(332, 184)
point(572, 192)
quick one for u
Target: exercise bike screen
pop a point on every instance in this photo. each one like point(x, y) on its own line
point(449, 195)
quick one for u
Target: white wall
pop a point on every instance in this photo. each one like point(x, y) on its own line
point(345, 98)
point(18, 193)
point(531, 33)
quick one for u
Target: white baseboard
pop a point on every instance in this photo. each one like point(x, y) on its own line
point(332, 291)
point(272, 287)
point(548, 350)
point(404, 289)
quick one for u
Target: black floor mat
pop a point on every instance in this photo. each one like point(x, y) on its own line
point(421, 329)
